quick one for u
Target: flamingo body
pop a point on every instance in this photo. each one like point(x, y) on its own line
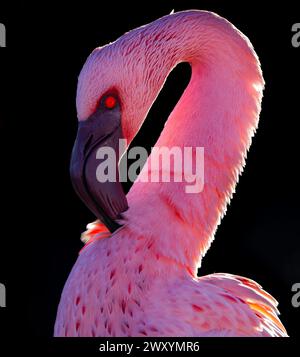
point(142, 279)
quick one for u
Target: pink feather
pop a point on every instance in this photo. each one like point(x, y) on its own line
point(141, 281)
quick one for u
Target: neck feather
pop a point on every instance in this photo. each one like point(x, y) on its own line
point(218, 111)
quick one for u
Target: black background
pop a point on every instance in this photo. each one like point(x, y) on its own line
point(42, 218)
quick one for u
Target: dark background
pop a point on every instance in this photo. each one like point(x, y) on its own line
point(42, 218)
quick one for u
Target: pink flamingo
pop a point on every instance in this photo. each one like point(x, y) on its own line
point(141, 280)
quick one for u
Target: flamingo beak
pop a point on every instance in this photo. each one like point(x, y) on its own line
point(105, 199)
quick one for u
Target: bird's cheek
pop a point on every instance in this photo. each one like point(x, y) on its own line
point(130, 127)
point(126, 130)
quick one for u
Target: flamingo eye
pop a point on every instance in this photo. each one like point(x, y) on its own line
point(110, 102)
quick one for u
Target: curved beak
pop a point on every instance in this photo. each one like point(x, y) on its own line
point(105, 198)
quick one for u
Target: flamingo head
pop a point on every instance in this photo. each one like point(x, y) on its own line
point(112, 101)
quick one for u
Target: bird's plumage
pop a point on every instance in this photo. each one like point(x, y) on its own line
point(141, 280)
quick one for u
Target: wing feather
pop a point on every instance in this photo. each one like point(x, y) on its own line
point(259, 301)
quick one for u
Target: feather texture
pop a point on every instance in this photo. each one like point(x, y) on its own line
point(141, 280)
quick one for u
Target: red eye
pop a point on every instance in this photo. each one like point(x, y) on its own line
point(110, 102)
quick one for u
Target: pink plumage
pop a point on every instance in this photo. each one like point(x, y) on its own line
point(141, 280)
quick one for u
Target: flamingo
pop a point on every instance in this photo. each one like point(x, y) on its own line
point(137, 273)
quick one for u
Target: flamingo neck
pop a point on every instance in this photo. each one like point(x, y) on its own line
point(219, 112)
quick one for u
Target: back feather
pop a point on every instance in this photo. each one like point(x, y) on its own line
point(260, 302)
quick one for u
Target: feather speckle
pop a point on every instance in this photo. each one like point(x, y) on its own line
point(141, 280)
